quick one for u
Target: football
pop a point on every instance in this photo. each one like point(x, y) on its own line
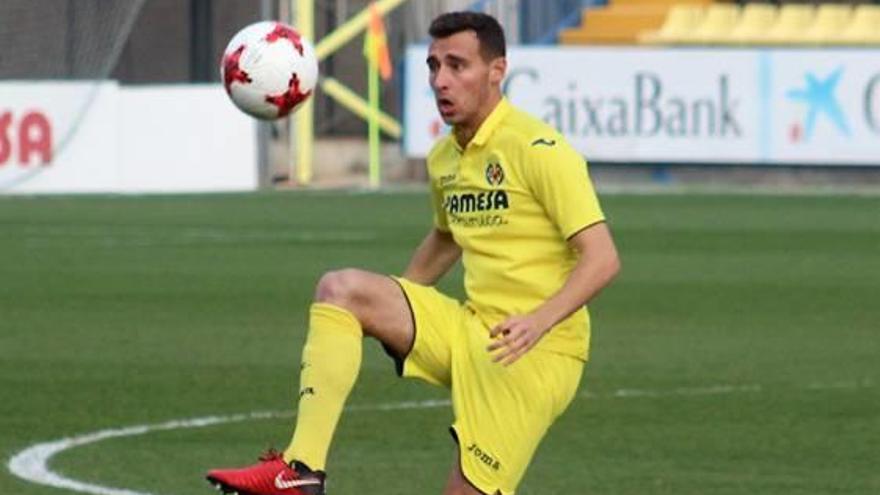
point(269, 70)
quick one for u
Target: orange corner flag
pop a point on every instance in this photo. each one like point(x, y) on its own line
point(376, 44)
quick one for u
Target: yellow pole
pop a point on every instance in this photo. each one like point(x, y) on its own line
point(373, 122)
point(303, 132)
point(358, 106)
point(346, 32)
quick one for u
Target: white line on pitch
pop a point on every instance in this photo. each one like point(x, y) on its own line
point(32, 463)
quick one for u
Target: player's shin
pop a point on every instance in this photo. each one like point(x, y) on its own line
point(330, 363)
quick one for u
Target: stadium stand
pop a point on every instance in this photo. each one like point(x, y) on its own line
point(704, 22)
point(757, 18)
point(831, 19)
point(621, 21)
point(717, 24)
point(680, 22)
point(793, 21)
point(863, 28)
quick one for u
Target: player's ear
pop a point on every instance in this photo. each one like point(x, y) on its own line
point(497, 70)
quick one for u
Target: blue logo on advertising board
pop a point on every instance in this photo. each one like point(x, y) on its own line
point(819, 97)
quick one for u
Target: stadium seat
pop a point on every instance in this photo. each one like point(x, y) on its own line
point(793, 21)
point(864, 27)
point(716, 26)
point(666, 4)
point(614, 25)
point(681, 21)
point(831, 19)
point(757, 18)
point(622, 21)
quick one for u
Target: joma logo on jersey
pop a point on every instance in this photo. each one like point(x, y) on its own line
point(484, 457)
point(445, 180)
point(470, 202)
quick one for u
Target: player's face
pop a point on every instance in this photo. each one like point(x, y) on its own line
point(466, 87)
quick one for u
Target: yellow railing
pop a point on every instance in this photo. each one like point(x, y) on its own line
point(303, 133)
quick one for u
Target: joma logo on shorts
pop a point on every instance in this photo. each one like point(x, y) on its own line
point(484, 457)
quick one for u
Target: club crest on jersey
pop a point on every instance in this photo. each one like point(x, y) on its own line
point(494, 174)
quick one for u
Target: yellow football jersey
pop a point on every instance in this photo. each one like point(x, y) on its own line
point(511, 199)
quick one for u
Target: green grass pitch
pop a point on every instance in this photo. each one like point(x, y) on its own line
point(738, 352)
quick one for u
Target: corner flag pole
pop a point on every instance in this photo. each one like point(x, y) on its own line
point(373, 120)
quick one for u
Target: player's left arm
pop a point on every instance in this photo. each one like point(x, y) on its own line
point(598, 264)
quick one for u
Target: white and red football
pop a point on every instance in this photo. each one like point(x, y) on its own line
point(269, 70)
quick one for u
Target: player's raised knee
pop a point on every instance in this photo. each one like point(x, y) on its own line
point(339, 286)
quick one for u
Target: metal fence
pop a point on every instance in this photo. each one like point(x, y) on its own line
point(524, 21)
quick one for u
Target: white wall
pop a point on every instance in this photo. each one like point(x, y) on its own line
point(112, 139)
point(180, 138)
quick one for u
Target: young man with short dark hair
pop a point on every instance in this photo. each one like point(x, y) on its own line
point(514, 201)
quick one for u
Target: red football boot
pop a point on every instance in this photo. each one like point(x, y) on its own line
point(272, 476)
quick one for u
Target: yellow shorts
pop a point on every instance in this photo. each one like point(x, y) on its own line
point(501, 413)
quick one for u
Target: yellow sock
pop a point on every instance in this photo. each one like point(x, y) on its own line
point(331, 360)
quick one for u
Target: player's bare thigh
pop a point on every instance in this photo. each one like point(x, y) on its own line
point(457, 484)
point(377, 301)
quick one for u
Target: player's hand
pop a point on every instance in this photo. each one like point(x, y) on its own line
point(515, 336)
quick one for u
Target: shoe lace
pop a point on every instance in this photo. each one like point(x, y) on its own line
point(271, 455)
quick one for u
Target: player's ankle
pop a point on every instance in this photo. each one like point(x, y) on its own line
point(299, 466)
point(303, 469)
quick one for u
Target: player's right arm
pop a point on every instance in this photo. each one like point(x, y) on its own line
point(438, 250)
point(433, 258)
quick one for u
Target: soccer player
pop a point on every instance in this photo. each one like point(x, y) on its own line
point(514, 201)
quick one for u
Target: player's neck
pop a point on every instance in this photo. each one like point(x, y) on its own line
point(464, 134)
point(466, 131)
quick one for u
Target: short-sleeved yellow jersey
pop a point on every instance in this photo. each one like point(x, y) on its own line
point(511, 199)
